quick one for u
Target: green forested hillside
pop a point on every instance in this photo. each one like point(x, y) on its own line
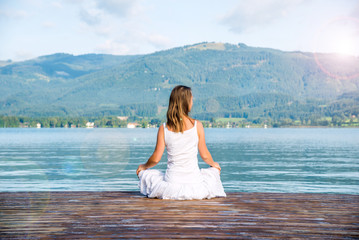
point(227, 81)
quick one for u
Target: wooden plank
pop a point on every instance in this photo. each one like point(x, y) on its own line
point(108, 215)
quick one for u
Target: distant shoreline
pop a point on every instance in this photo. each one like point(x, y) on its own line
point(253, 127)
point(153, 122)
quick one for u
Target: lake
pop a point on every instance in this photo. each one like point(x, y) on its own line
point(309, 160)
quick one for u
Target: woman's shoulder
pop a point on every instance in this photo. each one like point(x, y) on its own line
point(199, 123)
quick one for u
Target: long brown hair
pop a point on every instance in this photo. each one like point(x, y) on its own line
point(178, 107)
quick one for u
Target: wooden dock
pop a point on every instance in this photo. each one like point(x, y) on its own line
point(114, 215)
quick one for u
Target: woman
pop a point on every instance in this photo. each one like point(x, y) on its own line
point(183, 137)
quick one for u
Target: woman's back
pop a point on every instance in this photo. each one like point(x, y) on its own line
point(182, 149)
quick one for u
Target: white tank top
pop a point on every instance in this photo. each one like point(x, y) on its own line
point(182, 150)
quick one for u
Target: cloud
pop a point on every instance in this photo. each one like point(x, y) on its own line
point(355, 11)
point(119, 27)
point(94, 11)
point(119, 8)
point(158, 41)
point(23, 54)
point(18, 14)
point(94, 19)
point(107, 14)
point(57, 5)
point(48, 24)
point(355, 15)
point(113, 47)
point(91, 17)
point(133, 42)
point(248, 15)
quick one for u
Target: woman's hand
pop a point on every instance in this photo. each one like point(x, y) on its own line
point(216, 165)
point(140, 168)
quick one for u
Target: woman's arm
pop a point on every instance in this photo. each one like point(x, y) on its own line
point(157, 154)
point(202, 148)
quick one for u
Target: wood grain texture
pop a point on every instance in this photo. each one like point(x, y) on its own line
point(114, 215)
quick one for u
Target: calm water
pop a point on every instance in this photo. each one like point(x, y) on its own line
point(252, 160)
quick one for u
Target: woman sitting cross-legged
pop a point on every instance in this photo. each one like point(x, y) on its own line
point(183, 137)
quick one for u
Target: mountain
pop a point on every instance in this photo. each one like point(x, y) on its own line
point(227, 80)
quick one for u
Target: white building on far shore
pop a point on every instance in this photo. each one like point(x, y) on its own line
point(132, 125)
point(90, 124)
point(38, 125)
point(122, 118)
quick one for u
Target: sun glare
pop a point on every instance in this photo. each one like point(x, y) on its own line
point(345, 45)
point(339, 36)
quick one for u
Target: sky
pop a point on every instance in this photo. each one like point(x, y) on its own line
point(32, 28)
